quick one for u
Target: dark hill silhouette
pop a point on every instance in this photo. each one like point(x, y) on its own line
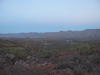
point(89, 34)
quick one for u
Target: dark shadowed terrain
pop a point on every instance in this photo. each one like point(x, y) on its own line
point(56, 53)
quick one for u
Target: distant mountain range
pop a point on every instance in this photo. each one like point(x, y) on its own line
point(89, 34)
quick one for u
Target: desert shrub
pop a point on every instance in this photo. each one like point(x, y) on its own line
point(37, 73)
point(18, 51)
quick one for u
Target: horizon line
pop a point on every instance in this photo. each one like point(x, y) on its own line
point(52, 31)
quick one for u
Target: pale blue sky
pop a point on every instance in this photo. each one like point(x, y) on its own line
point(48, 15)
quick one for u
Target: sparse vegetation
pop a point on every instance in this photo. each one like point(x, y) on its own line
point(49, 57)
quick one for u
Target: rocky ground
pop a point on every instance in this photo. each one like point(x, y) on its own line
point(61, 63)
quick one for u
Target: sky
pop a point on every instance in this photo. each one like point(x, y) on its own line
point(48, 15)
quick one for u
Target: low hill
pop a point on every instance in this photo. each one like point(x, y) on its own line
point(89, 34)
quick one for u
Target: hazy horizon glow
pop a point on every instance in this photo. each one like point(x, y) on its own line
point(48, 15)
